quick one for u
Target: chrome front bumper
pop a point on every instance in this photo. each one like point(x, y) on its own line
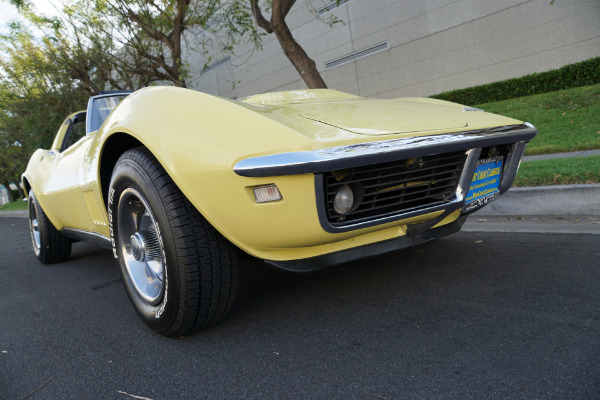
point(333, 158)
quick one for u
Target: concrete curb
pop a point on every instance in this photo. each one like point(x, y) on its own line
point(17, 213)
point(571, 225)
point(571, 154)
point(547, 200)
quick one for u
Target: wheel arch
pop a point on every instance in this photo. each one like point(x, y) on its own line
point(26, 185)
point(112, 149)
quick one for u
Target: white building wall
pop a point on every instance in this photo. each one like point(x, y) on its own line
point(434, 46)
point(3, 195)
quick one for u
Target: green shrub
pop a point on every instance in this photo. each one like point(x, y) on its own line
point(574, 75)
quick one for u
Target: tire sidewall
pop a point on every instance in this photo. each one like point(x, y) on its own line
point(53, 246)
point(33, 204)
point(129, 174)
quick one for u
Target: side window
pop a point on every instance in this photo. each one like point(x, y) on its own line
point(101, 107)
point(75, 132)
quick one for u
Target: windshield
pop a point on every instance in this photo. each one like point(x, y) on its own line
point(100, 108)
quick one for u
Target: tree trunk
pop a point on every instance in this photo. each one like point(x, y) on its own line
point(20, 191)
point(305, 65)
point(180, 83)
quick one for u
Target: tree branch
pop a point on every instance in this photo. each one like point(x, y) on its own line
point(286, 5)
point(151, 31)
point(260, 19)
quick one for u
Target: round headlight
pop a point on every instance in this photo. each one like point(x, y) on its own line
point(344, 200)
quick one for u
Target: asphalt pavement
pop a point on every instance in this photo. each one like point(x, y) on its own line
point(475, 315)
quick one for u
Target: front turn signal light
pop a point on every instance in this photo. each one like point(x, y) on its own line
point(266, 193)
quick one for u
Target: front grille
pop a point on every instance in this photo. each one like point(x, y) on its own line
point(394, 187)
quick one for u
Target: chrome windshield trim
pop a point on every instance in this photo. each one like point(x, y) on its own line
point(328, 159)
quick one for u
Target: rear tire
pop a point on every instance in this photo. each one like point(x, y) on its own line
point(49, 245)
point(179, 272)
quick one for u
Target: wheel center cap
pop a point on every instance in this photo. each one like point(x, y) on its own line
point(138, 246)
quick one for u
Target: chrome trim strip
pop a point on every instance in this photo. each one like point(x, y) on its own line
point(90, 237)
point(513, 160)
point(466, 177)
point(317, 161)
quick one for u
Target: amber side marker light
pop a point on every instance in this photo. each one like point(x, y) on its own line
point(266, 193)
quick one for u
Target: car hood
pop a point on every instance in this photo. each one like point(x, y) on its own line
point(324, 113)
point(384, 118)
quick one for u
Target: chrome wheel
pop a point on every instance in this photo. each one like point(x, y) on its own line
point(141, 246)
point(34, 228)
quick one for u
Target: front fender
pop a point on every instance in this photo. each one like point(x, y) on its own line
point(198, 138)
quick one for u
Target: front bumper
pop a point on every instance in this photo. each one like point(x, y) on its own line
point(334, 158)
point(333, 242)
point(402, 242)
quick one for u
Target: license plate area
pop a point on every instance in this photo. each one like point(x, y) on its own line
point(485, 185)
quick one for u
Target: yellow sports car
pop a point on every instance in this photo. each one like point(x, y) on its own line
point(178, 182)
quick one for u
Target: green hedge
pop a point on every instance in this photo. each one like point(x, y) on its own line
point(580, 74)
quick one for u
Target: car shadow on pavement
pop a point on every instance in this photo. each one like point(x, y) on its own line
point(265, 290)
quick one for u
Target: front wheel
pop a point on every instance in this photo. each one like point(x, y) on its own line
point(179, 272)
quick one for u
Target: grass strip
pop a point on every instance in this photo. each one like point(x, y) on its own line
point(567, 120)
point(15, 205)
point(559, 171)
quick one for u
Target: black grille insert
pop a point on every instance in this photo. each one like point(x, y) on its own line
point(394, 187)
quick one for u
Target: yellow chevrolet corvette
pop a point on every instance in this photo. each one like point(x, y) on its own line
point(178, 182)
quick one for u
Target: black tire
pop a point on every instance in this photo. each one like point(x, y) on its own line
point(49, 245)
point(191, 271)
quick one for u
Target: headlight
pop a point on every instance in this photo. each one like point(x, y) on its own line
point(344, 200)
point(348, 198)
